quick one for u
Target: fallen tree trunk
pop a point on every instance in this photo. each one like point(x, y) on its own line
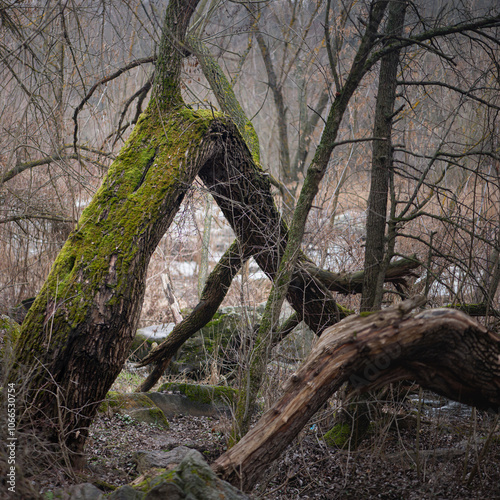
point(443, 350)
point(346, 283)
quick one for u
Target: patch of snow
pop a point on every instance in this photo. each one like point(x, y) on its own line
point(184, 268)
point(156, 331)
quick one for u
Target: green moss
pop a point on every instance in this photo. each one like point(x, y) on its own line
point(9, 333)
point(111, 401)
point(365, 314)
point(147, 178)
point(338, 436)
point(158, 417)
point(218, 341)
point(206, 394)
point(164, 476)
point(135, 406)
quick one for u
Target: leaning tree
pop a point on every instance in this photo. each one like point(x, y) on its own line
point(85, 316)
point(76, 336)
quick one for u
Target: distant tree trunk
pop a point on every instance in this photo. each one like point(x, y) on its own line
point(277, 90)
point(376, 259)
point(442, 349)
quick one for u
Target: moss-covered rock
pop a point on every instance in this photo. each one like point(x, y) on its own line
point(351, 428)
point(192, 478)
point(338, 436)
point(207, 394)
point(134, 407)
point(216, 345)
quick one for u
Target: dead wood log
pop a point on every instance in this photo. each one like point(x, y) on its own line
point(443, 350)
point(347, 283)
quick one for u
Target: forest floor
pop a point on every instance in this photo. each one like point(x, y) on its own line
point(459, 453)
point(457, 460)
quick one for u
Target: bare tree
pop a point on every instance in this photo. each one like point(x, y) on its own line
point(85, 316)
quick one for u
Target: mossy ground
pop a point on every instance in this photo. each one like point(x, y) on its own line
point(206, 394)
point(338, 436)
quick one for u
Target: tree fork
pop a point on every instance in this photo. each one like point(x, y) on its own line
point(444, 350)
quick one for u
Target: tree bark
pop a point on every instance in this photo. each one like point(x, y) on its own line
point(444, 350)
point(84, 319)
point(86, 314)
point(376, 259)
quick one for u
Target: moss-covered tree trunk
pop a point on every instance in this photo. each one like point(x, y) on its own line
point(76, 336)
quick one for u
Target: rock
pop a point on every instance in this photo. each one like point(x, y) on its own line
point(84, 491)
point(126, 493)
point(194, 399)
point(198, 480)
point(146, 337)
point(156, 407)
point(177, 404)
point(207, 394)
point(218, 341)
point(338, 436)
point(146, 460)
point(164, 491)
point(137, 406)
point(192, 479)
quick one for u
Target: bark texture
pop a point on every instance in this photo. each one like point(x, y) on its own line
point(377, 252)
point(85, 316)
point(444, 350)
point(76, 336)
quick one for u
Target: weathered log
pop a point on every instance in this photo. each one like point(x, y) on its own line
point(443, 350)
point(346, 283)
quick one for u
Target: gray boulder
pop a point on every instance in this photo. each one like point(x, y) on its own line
point(191, 479)
point(126, 493)
point(146, 460)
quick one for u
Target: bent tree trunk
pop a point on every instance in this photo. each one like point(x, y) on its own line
point(76, 336)
point(443, 350)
